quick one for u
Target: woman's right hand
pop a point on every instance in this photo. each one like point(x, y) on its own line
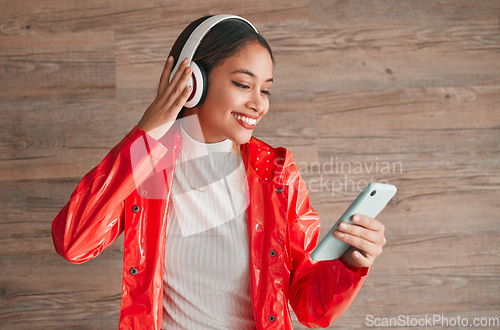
point(170, 99)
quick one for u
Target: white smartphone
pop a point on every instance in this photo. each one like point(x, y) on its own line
point(370, 202)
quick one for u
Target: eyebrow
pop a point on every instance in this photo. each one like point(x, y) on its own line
point(249, 73)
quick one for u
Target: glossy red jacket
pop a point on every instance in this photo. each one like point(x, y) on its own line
point(283, 230)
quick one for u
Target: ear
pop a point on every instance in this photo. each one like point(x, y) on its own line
point(199, 82)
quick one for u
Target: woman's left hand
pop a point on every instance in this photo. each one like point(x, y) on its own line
point(366, 237)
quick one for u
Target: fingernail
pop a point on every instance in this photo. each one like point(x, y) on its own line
point(188, 70)
point(185, 60)
point(355, 219)
point(339, 233)
point(343, 226)
point(169, 59)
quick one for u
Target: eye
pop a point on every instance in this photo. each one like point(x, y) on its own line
point(241, 85)
point(264, 91)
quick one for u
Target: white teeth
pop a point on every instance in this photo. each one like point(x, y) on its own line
point(249, 121)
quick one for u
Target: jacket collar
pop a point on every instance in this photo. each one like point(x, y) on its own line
point(268, 163)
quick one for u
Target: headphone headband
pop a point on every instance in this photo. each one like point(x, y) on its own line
point(197, 35)
point(198, 79)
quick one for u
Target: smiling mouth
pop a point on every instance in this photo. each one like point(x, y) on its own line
point(246, 122)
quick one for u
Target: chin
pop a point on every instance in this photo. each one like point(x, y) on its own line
point(241, 138)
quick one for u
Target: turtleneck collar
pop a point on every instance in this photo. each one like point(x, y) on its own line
point(195, 149)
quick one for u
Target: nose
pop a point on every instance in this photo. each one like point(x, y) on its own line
point(258, 102)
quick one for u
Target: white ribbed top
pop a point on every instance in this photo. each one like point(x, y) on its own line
point(207, 277)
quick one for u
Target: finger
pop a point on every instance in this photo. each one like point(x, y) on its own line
point(369, 248)
point(170, 97)
point(367, 222)
point(361, 259)
point(166, 73)
point(376, 237)
point(181, 100)
point(178, 75)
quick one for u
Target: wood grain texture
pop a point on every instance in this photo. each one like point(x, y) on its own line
point(406, 92)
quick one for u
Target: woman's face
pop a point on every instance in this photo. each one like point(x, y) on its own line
point(237, 96)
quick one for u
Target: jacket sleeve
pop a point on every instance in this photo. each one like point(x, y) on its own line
point(93, 217)
point(320, 292)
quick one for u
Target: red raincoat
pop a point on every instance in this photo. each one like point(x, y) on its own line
point(283, 230)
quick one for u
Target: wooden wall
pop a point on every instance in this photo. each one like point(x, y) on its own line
point(401, 91)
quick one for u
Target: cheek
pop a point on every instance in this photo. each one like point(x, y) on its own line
point(266, 108)
point(232, 98)
point(222, 99)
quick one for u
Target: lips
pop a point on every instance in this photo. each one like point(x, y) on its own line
point(246, 122)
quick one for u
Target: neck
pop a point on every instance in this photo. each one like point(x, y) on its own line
point(192, 125)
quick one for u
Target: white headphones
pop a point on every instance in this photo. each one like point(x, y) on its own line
point(198, 78)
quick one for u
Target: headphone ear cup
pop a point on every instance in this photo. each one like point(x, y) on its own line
point(199, 82)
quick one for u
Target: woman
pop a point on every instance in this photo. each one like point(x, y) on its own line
point(197, 254)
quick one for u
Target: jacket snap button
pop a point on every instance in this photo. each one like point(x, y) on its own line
point(271, 318)
point(278, 190)
point(273, 253)
point(134, 271)
point(136, 209)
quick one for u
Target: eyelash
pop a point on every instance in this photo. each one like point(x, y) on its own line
point(267, 93)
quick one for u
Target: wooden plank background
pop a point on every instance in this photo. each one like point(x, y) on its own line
point(388, 90)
